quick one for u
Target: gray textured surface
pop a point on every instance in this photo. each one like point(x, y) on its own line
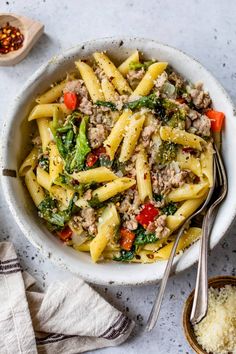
point(205, 30)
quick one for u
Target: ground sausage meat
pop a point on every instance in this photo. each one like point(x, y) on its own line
point(96, 135)
point(201, 99)
point(134, 76)
point(87, 219)
point(166, 179)
point(78, 87)
point(159, 227)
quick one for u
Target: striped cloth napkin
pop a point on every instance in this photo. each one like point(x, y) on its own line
point(69, 318)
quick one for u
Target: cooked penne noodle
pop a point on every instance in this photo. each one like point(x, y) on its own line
point(55, 162)
point(30, 161)
point(91, 81)
point(143, 176)
point(99, 174)
point(63, 195)
point(148, 81)
point(124, 67)
point(189, 162)
point(35, 190)
point(84, 247)
point(112, 188)
point(52, 94)
point(114, 139)
point(43, 178)
point(109, 91)
point(46, 110)
point(112, 73)
point(44, 132)
point(107, 225)
point(188, 191)
point(188, 237)
point(182, 137)
point(131, 136)
point(207, 164)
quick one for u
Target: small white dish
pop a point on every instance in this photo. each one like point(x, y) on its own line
point(14, 149)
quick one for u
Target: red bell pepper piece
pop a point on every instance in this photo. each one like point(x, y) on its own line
point(188, 150)
point(126, 239)
point(94, 156)
point(70, 100)
point(147, 214)
point(217, 119)
point(65, 234)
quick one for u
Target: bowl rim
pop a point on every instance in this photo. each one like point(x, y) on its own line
point(9, 122)
point(187, 326)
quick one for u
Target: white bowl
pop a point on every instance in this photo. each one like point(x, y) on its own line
point(14, 148)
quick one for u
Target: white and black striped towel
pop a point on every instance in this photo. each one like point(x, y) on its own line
point(69, 318)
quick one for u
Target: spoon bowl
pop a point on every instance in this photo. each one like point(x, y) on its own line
point(31, 31)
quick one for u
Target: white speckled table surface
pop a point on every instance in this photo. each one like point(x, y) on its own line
point(205, 30)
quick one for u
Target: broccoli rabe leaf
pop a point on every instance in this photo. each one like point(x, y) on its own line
point(169, 209)
point(48, 210)
point(107, 104)
point(136, 65)
point(151, 102)
point(167, 152)
point(143, 237)
point(125, 256)
point(78, 156)
point(44, 162)
point(157, 197)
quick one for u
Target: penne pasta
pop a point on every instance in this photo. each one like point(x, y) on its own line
point(148, 81)
point(109, 91)
point(30, 161)
point(188, 237)
point(52, 94)
point(182, 137)
point(107, 225)
point(143, 176)
point(188, 191)
point(207, 164)
point(46, 110)
point(43, 178)
point(124, 67)
point(114, 139)
point(63, 196)
point(99, 174)
point(131, 136)
point(189, 162)
point(190, 206)
point(110, 189)
point(55, 162)
point(44, 132)
point(112, 73)
point(35, 190)
point(91, 81)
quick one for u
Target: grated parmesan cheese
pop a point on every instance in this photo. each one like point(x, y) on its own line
point(216, 333)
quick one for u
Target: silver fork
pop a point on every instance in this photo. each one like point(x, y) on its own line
point(158, 301)
point(200, 301)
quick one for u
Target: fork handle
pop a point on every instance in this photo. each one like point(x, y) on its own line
point(200, 301)
point(158, 301)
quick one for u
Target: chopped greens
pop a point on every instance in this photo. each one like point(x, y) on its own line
point(151, 102)
point(48, 210)
point(77, 159)
point(44, 162)
point(169, 209)
point(167, 152)
point(158, 197)
point(134, 65)
point(107, 104)
point(125, 256)
point(174, 116)
point(105, 161)
point(143, 237)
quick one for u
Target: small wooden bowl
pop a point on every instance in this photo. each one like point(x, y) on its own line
point(31, 30)
point(217, 282)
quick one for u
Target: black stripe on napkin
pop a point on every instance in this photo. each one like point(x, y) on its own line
point(52, 338)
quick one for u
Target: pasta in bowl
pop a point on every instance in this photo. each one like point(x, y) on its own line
point(121, 157)
point(34, 101)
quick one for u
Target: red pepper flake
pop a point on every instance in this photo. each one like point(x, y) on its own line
point(11, 38)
